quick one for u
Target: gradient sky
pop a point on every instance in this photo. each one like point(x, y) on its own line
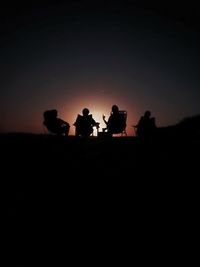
point(79, 54)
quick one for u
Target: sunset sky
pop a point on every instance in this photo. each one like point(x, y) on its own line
point(68, 55)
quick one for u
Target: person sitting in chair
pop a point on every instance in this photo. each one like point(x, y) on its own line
point(55, 125)
point(145, 129)
point(116, 122)
point(84, 124)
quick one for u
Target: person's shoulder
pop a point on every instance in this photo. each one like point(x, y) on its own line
point(79, 117)
point(91, 118)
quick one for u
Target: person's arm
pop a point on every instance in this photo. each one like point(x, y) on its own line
point(94, 123)
point(77, 120)
point(104, 119)
point(91, 120)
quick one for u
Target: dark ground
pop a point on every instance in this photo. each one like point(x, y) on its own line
point(96, 190)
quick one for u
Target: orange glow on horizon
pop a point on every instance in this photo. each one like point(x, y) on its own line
point(97, 114)
point(68, 109)
point(97, 111)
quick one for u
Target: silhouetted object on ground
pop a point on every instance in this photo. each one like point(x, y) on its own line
point(84, 124)
point(146, 127)
point(116, 123)
point(55, 125)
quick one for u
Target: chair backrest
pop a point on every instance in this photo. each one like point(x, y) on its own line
point(53, 124)
point(84, 125)
point(50, 115)
point(123, 114)
point(50, 119)
point(118, 123)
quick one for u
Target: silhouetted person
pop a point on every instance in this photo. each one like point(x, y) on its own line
point(116, 122)
point(84, 124)
point(55, 125)
point(145, 129)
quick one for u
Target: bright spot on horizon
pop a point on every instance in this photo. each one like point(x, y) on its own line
point(98, 106)
point(97, 116)
point(96, 111)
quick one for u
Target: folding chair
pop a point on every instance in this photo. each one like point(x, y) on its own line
point(119, 126)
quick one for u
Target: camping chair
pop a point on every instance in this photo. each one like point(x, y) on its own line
point(55, 125)
point(77, 133)
point(84, 126)
point(120, 126)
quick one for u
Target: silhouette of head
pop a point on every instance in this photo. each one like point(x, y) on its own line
point(115, 109)
point(85, 112)
point(50, 115)
point(147, 114)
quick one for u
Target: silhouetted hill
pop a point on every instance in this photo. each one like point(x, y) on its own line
point(187, 130)
point(190, 127)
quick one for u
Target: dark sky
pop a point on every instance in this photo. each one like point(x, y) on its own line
point(74, 54)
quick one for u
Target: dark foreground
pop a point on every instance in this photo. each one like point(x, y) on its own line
point(94, 189)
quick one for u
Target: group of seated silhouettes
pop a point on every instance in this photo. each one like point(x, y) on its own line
point(85, 123)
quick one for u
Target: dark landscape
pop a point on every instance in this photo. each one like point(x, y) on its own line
point(51, 181)
point(73, 198)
